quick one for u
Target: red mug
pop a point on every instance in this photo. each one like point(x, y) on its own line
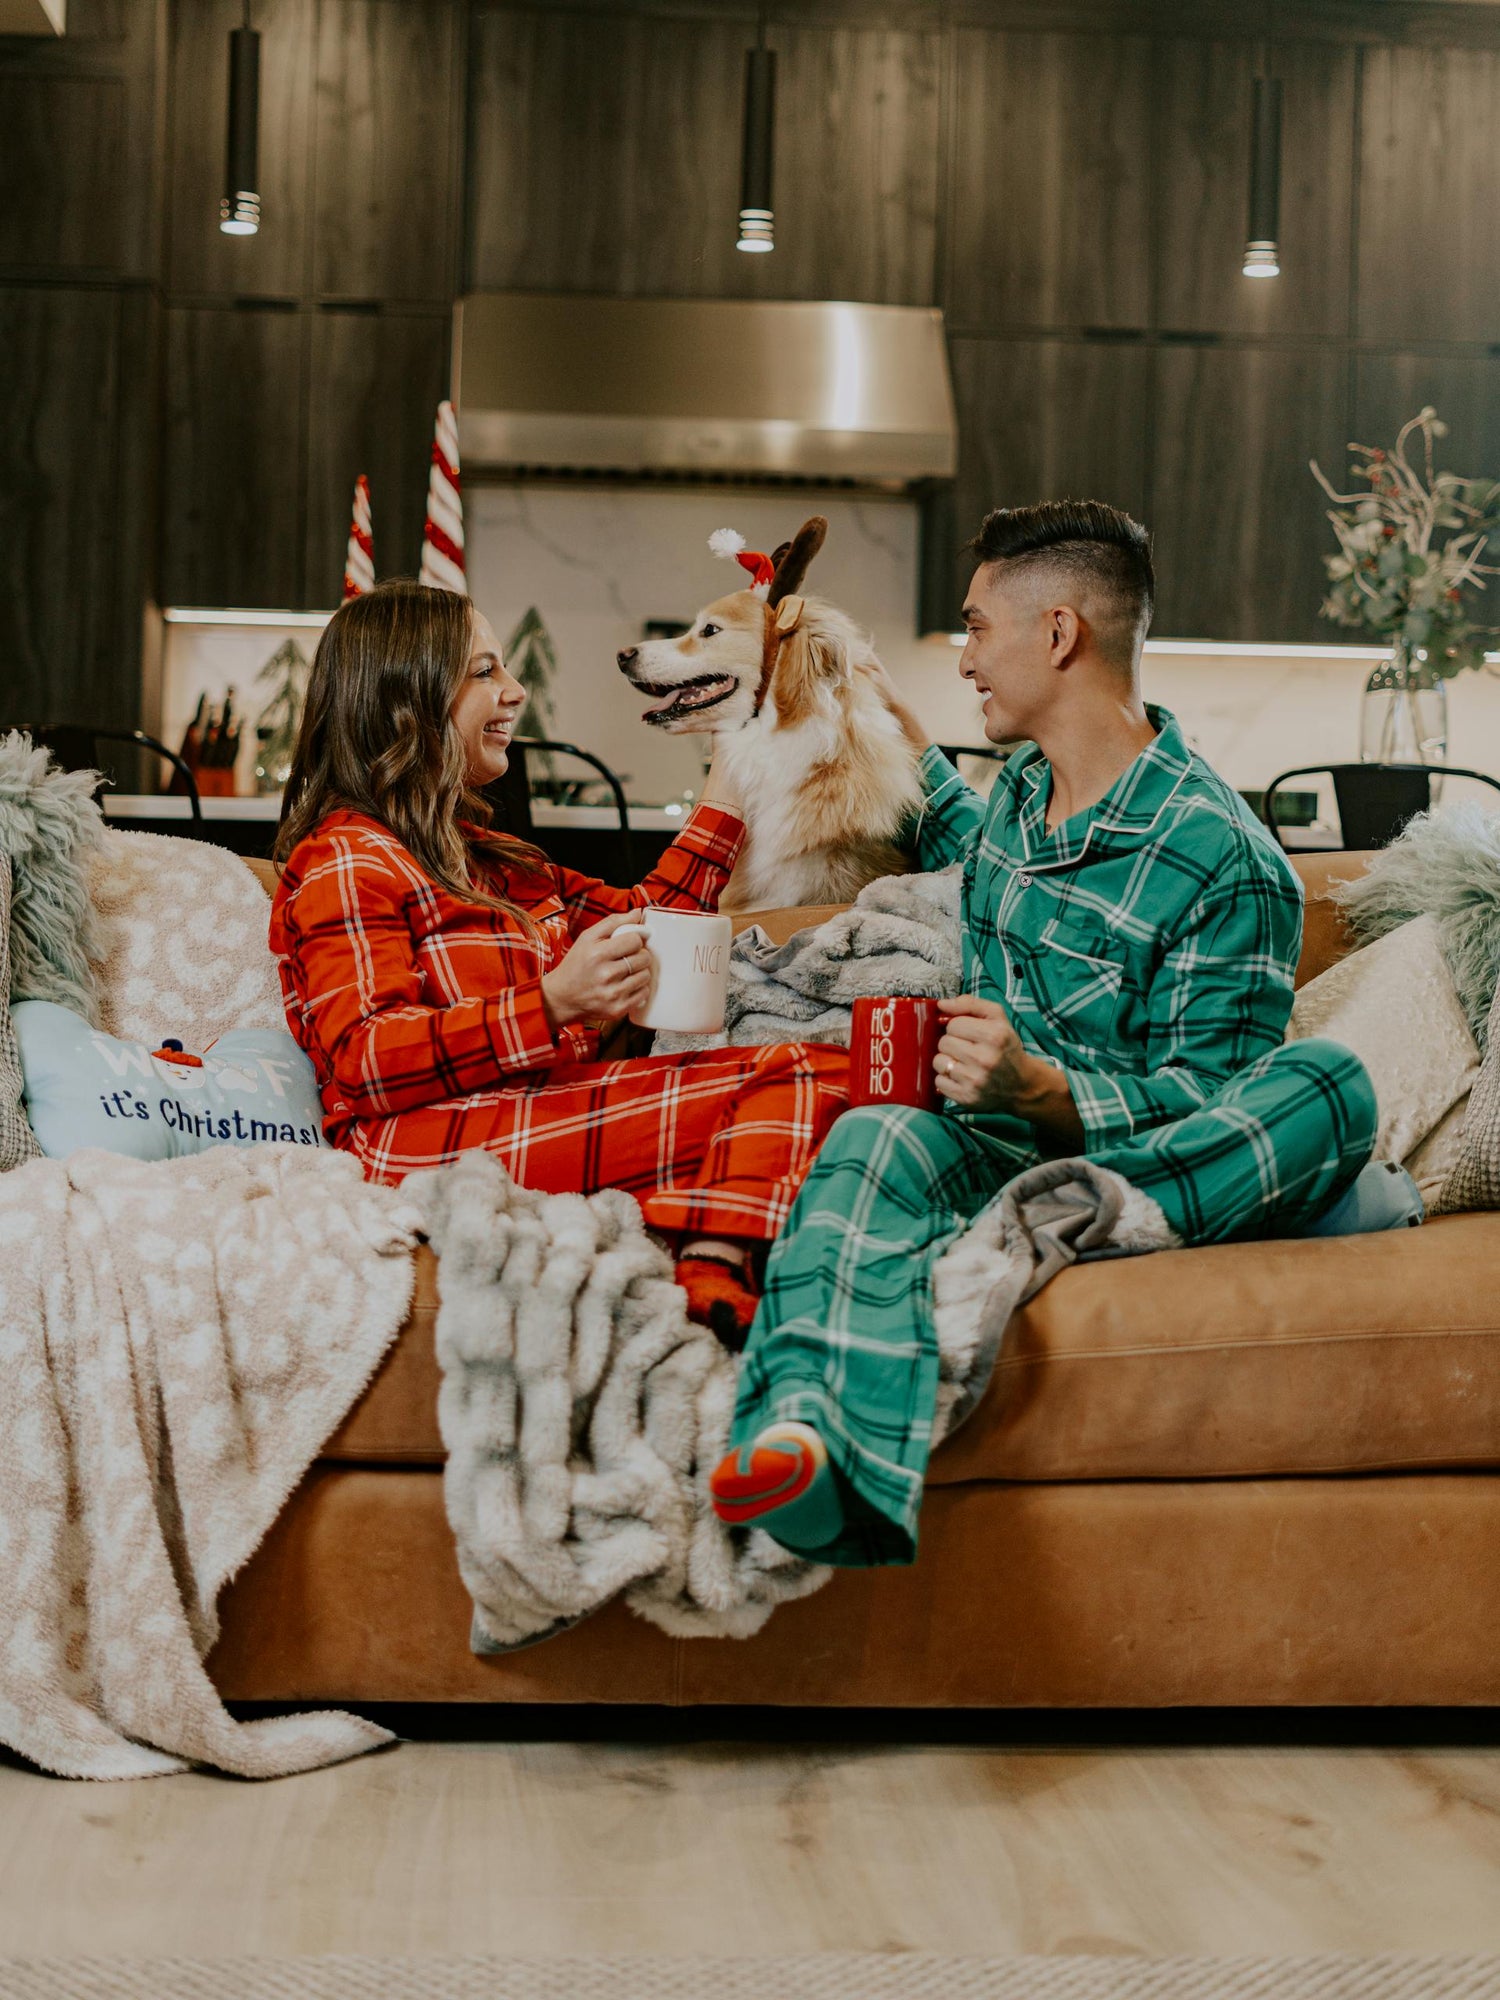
point(892, 1048)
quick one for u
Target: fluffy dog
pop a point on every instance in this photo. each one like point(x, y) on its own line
point(795, 696)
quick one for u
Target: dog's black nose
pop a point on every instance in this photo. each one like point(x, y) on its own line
point(625, 656)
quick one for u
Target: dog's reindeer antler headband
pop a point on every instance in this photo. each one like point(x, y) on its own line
point(775, 578)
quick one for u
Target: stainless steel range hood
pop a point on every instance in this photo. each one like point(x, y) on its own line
point(553, 381)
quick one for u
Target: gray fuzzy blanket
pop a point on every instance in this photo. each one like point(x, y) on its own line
point(900, 935)
point(583, 1412)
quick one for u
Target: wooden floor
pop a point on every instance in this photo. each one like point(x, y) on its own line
point(540, 1848)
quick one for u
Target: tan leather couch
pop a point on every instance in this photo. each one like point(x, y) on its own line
point(1264, 1473)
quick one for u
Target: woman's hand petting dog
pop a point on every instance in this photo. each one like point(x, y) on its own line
point(983, 1065)
point(605, 974)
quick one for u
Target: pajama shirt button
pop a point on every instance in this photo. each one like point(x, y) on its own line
point(1025, 881)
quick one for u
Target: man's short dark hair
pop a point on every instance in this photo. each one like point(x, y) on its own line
point(1102, 549)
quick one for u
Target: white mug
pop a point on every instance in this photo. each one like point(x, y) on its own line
point(689, 970)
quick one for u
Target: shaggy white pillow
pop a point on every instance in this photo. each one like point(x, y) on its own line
point(183, 933)
point(1395, 1005)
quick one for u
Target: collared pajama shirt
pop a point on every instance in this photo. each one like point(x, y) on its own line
point(424, 1019)
point(1147, 947)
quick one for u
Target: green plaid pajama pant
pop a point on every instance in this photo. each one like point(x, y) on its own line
point(844, 1338)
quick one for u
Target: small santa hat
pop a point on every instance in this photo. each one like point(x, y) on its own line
point(359, 559)
point(729, 545)
point(443, 536)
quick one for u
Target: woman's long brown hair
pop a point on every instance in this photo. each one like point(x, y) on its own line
point(377, 738)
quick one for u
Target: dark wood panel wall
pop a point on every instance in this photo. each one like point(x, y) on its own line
point(183, 412)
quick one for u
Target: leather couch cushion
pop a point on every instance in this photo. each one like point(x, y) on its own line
point(1249, 1359)
point(1146, 1593)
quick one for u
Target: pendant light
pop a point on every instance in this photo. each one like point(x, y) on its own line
point(757, 221)
point(1263, 241)
point(239, 211)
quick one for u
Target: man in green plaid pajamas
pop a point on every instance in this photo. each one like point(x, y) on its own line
point(1128, 977)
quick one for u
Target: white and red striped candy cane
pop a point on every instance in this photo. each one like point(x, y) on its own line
point(359, 560)
point(443, 536)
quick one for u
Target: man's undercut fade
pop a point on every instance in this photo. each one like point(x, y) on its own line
point(1102, 554)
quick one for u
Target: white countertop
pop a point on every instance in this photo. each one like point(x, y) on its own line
point(267, 806)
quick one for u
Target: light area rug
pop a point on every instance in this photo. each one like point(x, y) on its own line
point(821, 1976)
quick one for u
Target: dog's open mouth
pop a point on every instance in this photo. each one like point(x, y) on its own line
point(687, 697)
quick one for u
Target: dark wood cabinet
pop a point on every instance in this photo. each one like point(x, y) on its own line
point(386, 130)
point(234, 457)
point(600, 153)
point(604, 157)
point(1201, 113)
point(64, 205)
point(1429, 200)
point(1048, 420)
point(60, 580)
point(1049, 207)
point(858, 160)
point(377, 379)
point(1237, 515)
point(80, 166)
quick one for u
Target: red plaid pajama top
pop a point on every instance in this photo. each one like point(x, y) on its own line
point(424, 1021)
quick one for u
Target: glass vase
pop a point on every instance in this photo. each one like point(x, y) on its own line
point(1404, 715)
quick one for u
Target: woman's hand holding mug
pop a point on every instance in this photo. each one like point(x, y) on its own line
point(605, 973)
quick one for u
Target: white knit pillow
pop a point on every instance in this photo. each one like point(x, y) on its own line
point(1395, 1005)
point(17, 1140)
point(183, 929)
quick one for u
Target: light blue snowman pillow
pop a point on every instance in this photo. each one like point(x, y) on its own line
point(83, 1088)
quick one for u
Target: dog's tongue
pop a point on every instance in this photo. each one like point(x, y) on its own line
point(691, 696)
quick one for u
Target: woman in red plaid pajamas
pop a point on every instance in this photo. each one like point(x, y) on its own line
point(449, 983)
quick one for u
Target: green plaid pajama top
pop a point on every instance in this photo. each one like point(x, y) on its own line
point(1148, 948)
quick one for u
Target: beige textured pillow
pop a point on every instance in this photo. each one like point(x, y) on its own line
point(17, 1140)
point(1395, 1005)
point(183, 929)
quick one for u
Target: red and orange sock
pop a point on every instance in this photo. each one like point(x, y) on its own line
point(781, 1481)
point(721, 1296)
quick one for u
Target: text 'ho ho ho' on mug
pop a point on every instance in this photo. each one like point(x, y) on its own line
point(892, 1050)
point(689, 970)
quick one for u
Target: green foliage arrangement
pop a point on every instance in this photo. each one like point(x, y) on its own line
point(1408, 565)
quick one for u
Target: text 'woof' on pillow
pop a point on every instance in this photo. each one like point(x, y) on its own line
point(86, 1088)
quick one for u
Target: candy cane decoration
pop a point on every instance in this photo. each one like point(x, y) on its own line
point(443, 536)
point(359, 561)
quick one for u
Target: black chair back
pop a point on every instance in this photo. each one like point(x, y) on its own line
point(75, 745)
point(510, 794)
point(1375, 801)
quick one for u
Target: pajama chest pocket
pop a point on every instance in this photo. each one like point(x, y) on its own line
point(1080, 973)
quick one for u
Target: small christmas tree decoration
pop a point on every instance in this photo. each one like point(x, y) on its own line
point(443, 536)
point(359, 559)
point(532, 658)
point(728, 544)
point(280, 721)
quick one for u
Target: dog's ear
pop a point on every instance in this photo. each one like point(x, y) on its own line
point(794, 558)
point(788, 615)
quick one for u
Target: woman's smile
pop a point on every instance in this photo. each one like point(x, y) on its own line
point(487, 707)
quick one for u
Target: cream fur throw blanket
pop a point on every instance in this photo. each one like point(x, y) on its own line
point(583, 1411)
point(177, 1340)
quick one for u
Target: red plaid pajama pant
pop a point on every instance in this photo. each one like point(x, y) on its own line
point(713, 1143)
